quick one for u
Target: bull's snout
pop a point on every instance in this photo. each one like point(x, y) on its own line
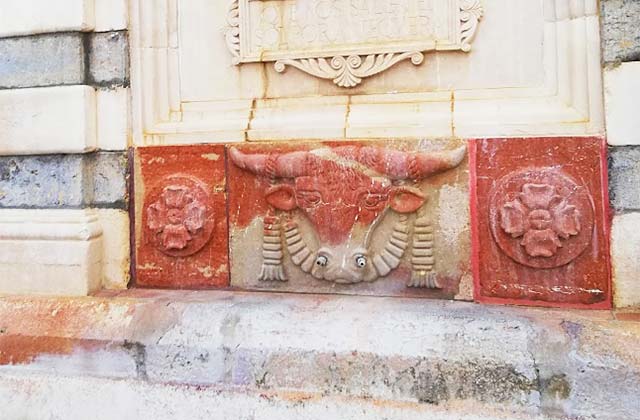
point(343, 265)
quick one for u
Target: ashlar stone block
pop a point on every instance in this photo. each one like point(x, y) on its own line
point(42, 60)
point(624, 178)
point(373, 218)
point(540, 218)
point(620, 30)
point(621, 93)
point(59, 181)
point(180, 217)
point(625, 253)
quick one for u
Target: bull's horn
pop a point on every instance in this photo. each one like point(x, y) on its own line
point(287, 165)
point(407, 165)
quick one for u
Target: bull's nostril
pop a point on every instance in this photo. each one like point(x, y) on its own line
point(361, 261)
point(322, 261)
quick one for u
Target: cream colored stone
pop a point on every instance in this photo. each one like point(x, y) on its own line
point(347, 45)
point(534, 69)
point(111, 15)
point(116, 248)
point(56, 252)
point(622, 96)
point(47, 120)
point(299, 118)
point(380, 116)
point(625, 253)
point(25, 17)
point(113, 125)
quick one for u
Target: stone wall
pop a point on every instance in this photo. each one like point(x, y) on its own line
point(151, 109)
point(621, 55)
point(67, 119)
point(64, 100)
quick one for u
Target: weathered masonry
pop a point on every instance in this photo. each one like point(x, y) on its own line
point(319, 209)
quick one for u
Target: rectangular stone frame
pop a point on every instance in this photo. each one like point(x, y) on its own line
point(569, 102)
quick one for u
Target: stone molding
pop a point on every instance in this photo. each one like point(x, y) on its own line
point(57, 252)
point(63, 252)
point(27, 17)
point(567, 102)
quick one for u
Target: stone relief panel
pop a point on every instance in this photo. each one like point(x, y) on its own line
point(355, 218)
point(540, 222)
point(180, 217)
point(347, 41)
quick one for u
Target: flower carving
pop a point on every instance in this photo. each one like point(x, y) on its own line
point(176, 217)
point(542, 218)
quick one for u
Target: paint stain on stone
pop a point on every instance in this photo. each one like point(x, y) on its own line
point(557, 387)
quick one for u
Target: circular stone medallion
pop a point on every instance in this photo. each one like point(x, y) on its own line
point(177, 217)
point(540, 217)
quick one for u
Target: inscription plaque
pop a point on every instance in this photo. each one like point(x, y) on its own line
point(347, 40)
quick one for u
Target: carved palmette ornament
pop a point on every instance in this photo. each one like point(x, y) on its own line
point(339, 191)
point(349, 68)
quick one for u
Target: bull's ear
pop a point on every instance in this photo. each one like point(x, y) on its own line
point(282, 197)
point(406, 199)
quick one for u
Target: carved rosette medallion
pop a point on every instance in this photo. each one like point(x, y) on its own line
point(346, 41)
point(541, 218)
point(177, 218)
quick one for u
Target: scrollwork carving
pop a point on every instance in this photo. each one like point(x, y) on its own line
point(347, 63)
point(471, 12)
point(349, 71)
point(232, 32)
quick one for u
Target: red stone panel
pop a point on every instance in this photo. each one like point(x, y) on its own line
point(180, 217)
point(355, 217)
point(540, 221)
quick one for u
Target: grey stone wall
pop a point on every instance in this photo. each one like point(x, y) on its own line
point(620, 30)
point(624, 178)
point(620, 21)
point(64, 181)
point(72, 58)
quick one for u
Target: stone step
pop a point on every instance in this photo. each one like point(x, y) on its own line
point(286, 356)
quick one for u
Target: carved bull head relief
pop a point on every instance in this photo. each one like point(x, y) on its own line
point(344, 192)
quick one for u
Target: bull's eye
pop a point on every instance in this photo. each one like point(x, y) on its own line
point(310, 198)
point(322, 261)
point(361, 261)
point(372, 200)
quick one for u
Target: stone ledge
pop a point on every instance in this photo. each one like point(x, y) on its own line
point(378, 356)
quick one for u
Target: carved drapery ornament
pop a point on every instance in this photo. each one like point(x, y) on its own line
point(335, 40)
